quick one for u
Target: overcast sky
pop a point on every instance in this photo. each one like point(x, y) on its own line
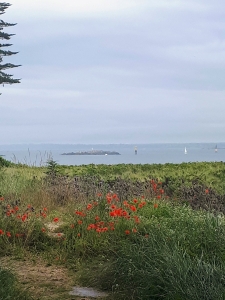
point(115, 71)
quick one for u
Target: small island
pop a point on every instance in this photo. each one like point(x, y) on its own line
point(93, 152)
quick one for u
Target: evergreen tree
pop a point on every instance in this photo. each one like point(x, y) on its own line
point(6, 78)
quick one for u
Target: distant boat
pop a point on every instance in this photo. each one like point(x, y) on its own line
point(216, 149)
point(185, 150)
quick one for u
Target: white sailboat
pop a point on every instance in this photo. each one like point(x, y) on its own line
point(185, 150)
point(216, 149)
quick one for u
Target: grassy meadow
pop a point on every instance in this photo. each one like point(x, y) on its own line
point(134, 231)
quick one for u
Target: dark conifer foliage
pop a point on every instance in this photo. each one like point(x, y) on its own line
point(4, 77)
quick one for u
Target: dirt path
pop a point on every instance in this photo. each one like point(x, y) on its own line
point(43, 282)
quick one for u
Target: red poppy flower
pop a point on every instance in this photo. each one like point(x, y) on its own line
point(24, 217)
point(127, 232)
point(156, 205)
point(133, 208)
point(56, 220)
point(1, 232)
point(89, 206)
point(8, 234)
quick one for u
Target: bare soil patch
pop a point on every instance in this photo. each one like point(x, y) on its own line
point(43, 281)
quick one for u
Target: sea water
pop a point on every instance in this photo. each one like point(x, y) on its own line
point(39, 154)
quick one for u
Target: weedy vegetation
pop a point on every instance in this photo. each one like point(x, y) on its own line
point(135, 231)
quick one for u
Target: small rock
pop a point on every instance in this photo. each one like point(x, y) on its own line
point(87, 292)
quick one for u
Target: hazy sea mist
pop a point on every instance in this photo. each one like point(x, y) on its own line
point(38, 154)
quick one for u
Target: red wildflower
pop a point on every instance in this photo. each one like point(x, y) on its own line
point(134, 230)
point(206, 191)
point(8, 213)
point(156, 205)
point(133, 208)
point(136, 220)
point(43, 229)
point(135, 201)
point(56, 220)
point(91, 226)
point(1, 198)
point(97, 218)
point(89, 206)
point(16, 208)
point(112, 214)
point(8, 234)
point(1, 232)
point(78, 234)
point(158, 196)
point(127, 232)
point(80, 213)
point(79, 222)
point(109, 199)
point(23, 218)
point(45, 209)
point(72, 226)
point(115, 197)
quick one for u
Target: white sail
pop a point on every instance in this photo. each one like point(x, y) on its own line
point(185, 150)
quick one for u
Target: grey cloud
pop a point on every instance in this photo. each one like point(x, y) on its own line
point(152, 75)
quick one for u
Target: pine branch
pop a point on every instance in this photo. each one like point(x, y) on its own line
point(7, 53)
point(8, 66)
